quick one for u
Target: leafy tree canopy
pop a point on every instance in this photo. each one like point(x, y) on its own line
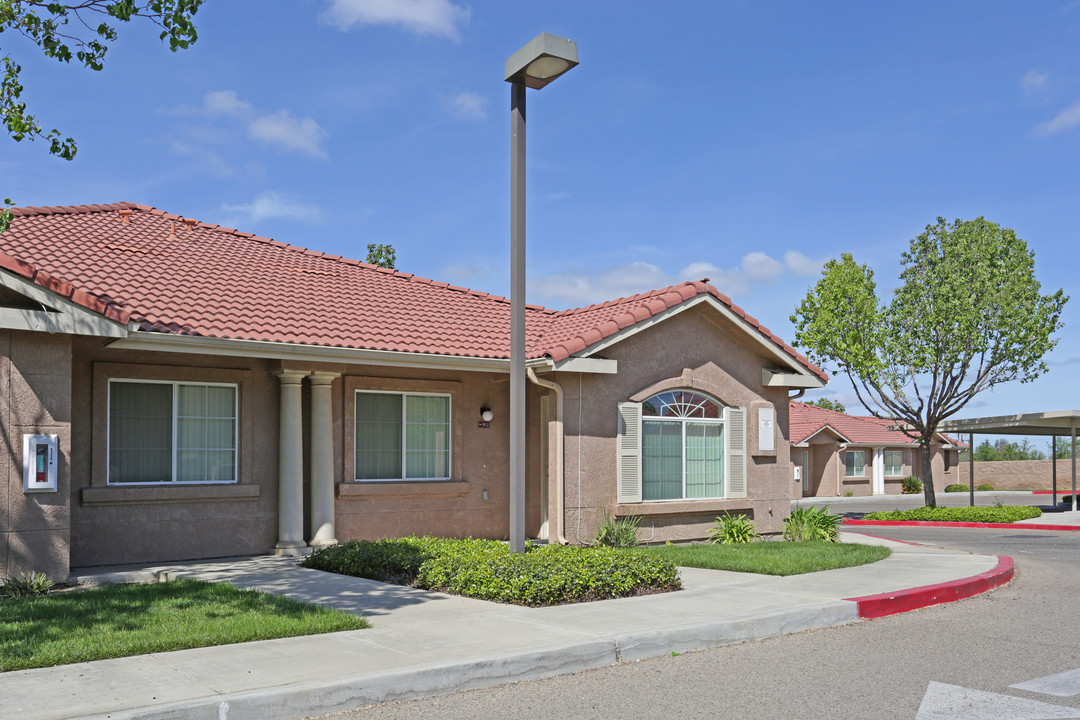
point(1005, 450)
point(828, 404)
point(969, 314)
point(381, 255)
point(80, 30)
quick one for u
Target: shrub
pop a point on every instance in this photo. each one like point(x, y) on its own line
point(733, 530)
point(961, 514)
point(985, 487)
point(617, 532)
point(1068, 499)
point(812, 523)
point(27, 583)
point(956, 488)
point(488, 570)
point(911, 485)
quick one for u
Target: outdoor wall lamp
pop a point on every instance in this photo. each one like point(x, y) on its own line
point(543, 59)
point(486, 414)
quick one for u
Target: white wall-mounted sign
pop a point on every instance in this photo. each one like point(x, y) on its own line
point(766, 423)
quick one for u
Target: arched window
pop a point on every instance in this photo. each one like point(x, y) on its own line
point(682, 446)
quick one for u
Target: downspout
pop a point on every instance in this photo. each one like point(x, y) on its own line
point(798, 394)
point(559, 516)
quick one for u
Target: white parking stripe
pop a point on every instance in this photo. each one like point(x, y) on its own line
point(1064, 684)
point(951, 702)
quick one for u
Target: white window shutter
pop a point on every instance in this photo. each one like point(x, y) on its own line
point(629, 449)
point(735, 429)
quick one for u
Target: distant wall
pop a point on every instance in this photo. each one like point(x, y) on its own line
point(1018, 474)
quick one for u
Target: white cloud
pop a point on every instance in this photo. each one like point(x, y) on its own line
point(759, 266)
point(1067, 119)
point(1034, 81)
point(225, 102)
point(467, 106)
point(302, 135)
point(800, 265)
point(272, 206)
point(440, 18)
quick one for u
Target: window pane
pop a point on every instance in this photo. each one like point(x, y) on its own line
point(894, 462)
point(681, 404)
point(427, 437)
point(661, 460)
point(855, 463)
point(704, 460)
point(140, 432)
point(378, 436)
point(205, 426)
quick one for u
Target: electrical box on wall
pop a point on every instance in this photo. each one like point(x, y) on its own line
point(39, 462)
point(798, 473)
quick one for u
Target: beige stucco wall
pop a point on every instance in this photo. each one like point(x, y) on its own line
point(696, 349)
point(1019, 474)
point(35, 398)
point(828, 467)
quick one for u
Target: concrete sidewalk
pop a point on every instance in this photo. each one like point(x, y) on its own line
point(425, 643)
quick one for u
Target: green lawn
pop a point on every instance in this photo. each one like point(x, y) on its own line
point(1005, 514)
point(771, 558)
point(109, 622)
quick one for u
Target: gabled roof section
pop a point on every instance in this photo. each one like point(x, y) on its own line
point(178, 276)
point(574, 331)
point(807, 420)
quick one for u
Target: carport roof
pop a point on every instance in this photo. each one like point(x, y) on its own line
point(1054, 422)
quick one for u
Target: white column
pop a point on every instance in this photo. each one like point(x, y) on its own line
point(322, 460)
point(290, 466)
point(878, 487)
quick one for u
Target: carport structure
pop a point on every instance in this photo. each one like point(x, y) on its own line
point(1056, 423)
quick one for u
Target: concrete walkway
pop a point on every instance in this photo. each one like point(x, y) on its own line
point(425, 643)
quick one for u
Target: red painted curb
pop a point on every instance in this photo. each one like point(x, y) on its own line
point(929, 523)
point(873, 606)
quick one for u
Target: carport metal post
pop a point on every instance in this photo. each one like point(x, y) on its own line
point(971, 468)
point(1072, 452)
point(1053, 467)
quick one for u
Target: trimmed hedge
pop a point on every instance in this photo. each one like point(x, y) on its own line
point(960, 514)
point(956, 488)
point(487, 570)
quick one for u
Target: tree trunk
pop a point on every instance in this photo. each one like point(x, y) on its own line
point(927, 475)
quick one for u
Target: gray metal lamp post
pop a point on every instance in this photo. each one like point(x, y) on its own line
point(543, 59)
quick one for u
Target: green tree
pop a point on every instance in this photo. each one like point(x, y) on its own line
point(1002, 449)
point(827, 404)
point(968, 315)
point(80, 30)
point(381, 255)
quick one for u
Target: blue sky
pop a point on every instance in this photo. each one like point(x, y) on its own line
point(741, 141)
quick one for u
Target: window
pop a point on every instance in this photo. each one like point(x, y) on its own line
point(682, 447)
point(894, 463)
point(402, 436)
point(166, 432)
point(855, 463)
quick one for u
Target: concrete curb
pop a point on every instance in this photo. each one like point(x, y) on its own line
point(996, 526)
point(874, 606)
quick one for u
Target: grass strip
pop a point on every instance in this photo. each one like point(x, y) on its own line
point(123, 620)
point(771, 558)
point(1005, 514)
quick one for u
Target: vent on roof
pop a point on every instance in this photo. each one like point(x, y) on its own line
point(125, 216)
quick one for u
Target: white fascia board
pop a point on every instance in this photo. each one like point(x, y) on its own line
point(840, 437)
point(58, 314)
point(770, 378)
point(599, 366)
point(163, 342)
point(724, 310)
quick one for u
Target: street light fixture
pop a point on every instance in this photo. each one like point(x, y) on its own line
point(543, 59)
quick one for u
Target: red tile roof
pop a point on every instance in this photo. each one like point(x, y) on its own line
point(169, 275)
point(805, 420)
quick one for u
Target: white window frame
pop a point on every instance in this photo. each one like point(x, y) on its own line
point(684, 421)
point(860, 469)
point(404, 425)
point(175, 423)
point(900, 469)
